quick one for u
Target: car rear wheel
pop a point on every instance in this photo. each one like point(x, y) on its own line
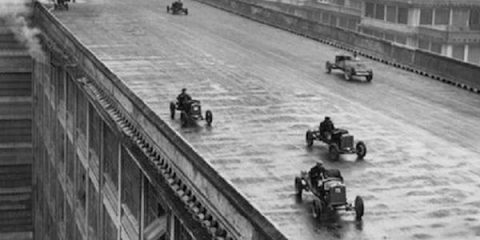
point(298, 187)
point(209, 117)
point(361, 150)
point(359, 208)
point(328, 67)
point(333, 152)
point(168, 9)
point(309, 138)
point(347, 75)
point(186, 11)
point(317, 208)
point(369, 78)
point(172, 110)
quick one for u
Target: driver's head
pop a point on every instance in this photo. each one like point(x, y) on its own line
point(319, 165)
point(184, 90)
point(327, 118)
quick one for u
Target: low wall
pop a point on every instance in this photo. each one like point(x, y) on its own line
point(174, 157)
point(458, 73)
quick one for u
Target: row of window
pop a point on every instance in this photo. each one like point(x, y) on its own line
point(57, 156)
point(393, 14)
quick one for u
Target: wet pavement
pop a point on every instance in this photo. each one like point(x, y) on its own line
point(266, 87)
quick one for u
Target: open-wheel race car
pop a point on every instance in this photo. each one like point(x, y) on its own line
point(177, 7)
point(339, 142)
point(190, 111)
point(329, 193)
point(351, 66)
point(61, 5)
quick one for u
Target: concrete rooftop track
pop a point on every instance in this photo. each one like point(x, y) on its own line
point(266, 87)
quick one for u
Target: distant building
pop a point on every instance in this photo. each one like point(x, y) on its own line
point(446, 27)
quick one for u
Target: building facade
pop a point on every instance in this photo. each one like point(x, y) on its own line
point(446, 27)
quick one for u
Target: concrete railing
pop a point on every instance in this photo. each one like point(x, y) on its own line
point(191, 171)
point(445, 69)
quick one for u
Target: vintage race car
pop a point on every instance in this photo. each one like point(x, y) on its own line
point(177, 7)
point(339, 142)
point(190, 112)
point(350, 66)
point(330, 193)
point(61, 5)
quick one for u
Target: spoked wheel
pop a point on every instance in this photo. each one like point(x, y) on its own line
point(361, 149)
point(317, 209)
point(298, 187)
point(309, 138)
point(183, 119)
point(333, 152)
point(209, 117)
point(359, 208)
point(172, 110)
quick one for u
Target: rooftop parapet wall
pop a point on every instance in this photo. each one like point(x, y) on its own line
point(231, 209)
point(442, 68)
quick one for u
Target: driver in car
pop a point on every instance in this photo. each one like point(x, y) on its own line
point(326, 127)
point(183, 98)
point(317, 172)
point(178, 4)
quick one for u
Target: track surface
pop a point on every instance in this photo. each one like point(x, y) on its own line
point(266, 87)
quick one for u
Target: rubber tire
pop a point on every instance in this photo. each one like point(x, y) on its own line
point(186, 11)
point(309, 138)
point(361, 150)
point(328, 67)
point(359, 208)
point(209, 117)
point(298, 187)
point(347, 75)
point(172, 110)
point(317, 208)
point(183, 119)
point(369, 78)
point(168, 9)
point(333, 152)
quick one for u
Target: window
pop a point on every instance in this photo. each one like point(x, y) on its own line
point(391, 14)
point(426, 16)
point(458, 51)
point(474, 20)
point(369, 9)
point(402, 15)
point(110, 156)
point(436, 48)
point(380, 11)
point(333, 20)
point(325, 17)
point(423, 44)
point(442, 16)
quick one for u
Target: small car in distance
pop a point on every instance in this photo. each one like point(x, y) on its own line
point(329, 193)
point(351, 66)
point(177, 7)
point(61, 5)
point(190, 112)
point(339, 142)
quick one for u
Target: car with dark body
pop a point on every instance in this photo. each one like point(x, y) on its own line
point(190, 112)
point(176, 8)
point(339, 141)
point(61, 5)
point(351, 66)
point(329, 193)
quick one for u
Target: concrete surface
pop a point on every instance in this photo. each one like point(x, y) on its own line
point(266, 87)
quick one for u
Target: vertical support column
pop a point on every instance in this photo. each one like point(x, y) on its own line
point(465, 56)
